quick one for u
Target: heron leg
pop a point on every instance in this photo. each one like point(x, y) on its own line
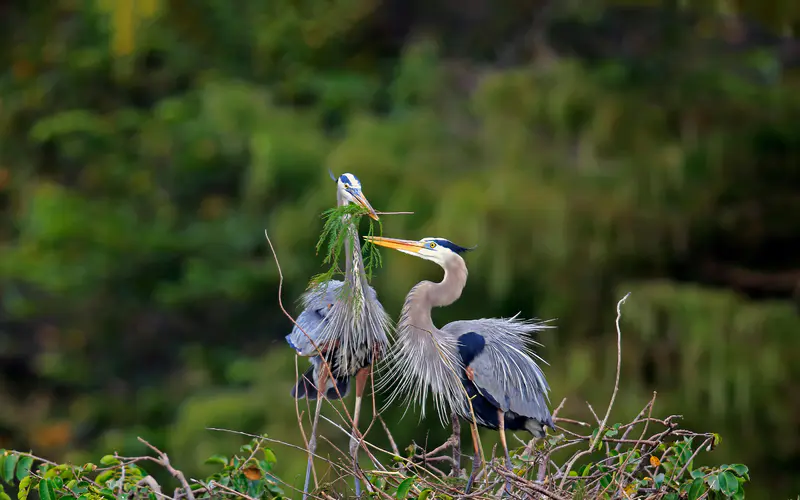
point(476, 460)
point(456, 438)
point(501, 422)
point(312, 441)
point(361, 382)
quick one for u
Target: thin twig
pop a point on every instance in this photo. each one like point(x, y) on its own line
point(619, 367)
point(163, 459)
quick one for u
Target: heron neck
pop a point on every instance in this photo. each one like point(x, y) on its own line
point(426, 295)
point(352, 249)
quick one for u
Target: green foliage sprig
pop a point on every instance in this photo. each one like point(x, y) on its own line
point(332, 240)
point(247, 474)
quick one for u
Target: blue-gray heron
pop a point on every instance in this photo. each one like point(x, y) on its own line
point(347, 323)
point(487, 360)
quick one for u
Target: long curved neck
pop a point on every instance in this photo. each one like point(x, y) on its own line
point(352, 249)
point(420, 301)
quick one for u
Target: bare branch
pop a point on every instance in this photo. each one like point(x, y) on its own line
point(163, 460)
point(619, 367)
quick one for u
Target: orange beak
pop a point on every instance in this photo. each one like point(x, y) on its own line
point(362, 201)
point(402, 245)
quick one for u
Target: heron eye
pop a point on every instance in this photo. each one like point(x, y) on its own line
point(432, 245)
point(347, 186)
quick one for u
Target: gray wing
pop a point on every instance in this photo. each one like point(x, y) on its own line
point(512, 331)
point(316, 304)
point(506, 369)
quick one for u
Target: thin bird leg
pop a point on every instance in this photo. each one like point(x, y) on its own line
point(501, 420)
point(476, 460)
point(456, 438)
point(312, 442)
point(361, 382)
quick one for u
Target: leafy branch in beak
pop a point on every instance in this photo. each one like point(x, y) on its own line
point(332, 239)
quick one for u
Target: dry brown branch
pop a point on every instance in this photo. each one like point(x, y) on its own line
point(163, 460)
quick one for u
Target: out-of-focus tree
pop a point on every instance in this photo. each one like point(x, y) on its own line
point(586, 148)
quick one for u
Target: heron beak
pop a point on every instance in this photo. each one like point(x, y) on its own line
point(361, 200)
point(407, 246)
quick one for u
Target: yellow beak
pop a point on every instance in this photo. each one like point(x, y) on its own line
point(404, 245)
point(362, 200)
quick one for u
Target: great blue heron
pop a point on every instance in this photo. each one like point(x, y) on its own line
point(348, 324)
point(487, 360)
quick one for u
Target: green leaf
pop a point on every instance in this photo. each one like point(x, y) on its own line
point(740, 469)
point(728, 483)
point(697, 473)
point(24, 467)
point(424, 494)
point(24, 488)
point(586, 470)
point(697, 489)
point(671, 496)
point(269, 456)
point(717, 439)
point(9, 465)
point(108, 494)
point(109, 460)
point(4, 495)
point(217, 459)
point(713, 482)
point(46, 490)
point(658, 479)
point(104, 476)
point(405, 487)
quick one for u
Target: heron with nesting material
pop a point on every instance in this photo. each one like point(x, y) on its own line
point(343, 328)
point(486, 362)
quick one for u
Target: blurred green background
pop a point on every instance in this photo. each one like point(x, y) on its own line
point(588, 148)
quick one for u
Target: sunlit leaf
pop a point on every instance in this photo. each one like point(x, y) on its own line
point(24, 488)
point(269, 456)
point(217, 459)
point(109, 460)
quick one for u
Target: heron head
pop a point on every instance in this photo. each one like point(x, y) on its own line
point(438, 250)
point(349, 188)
